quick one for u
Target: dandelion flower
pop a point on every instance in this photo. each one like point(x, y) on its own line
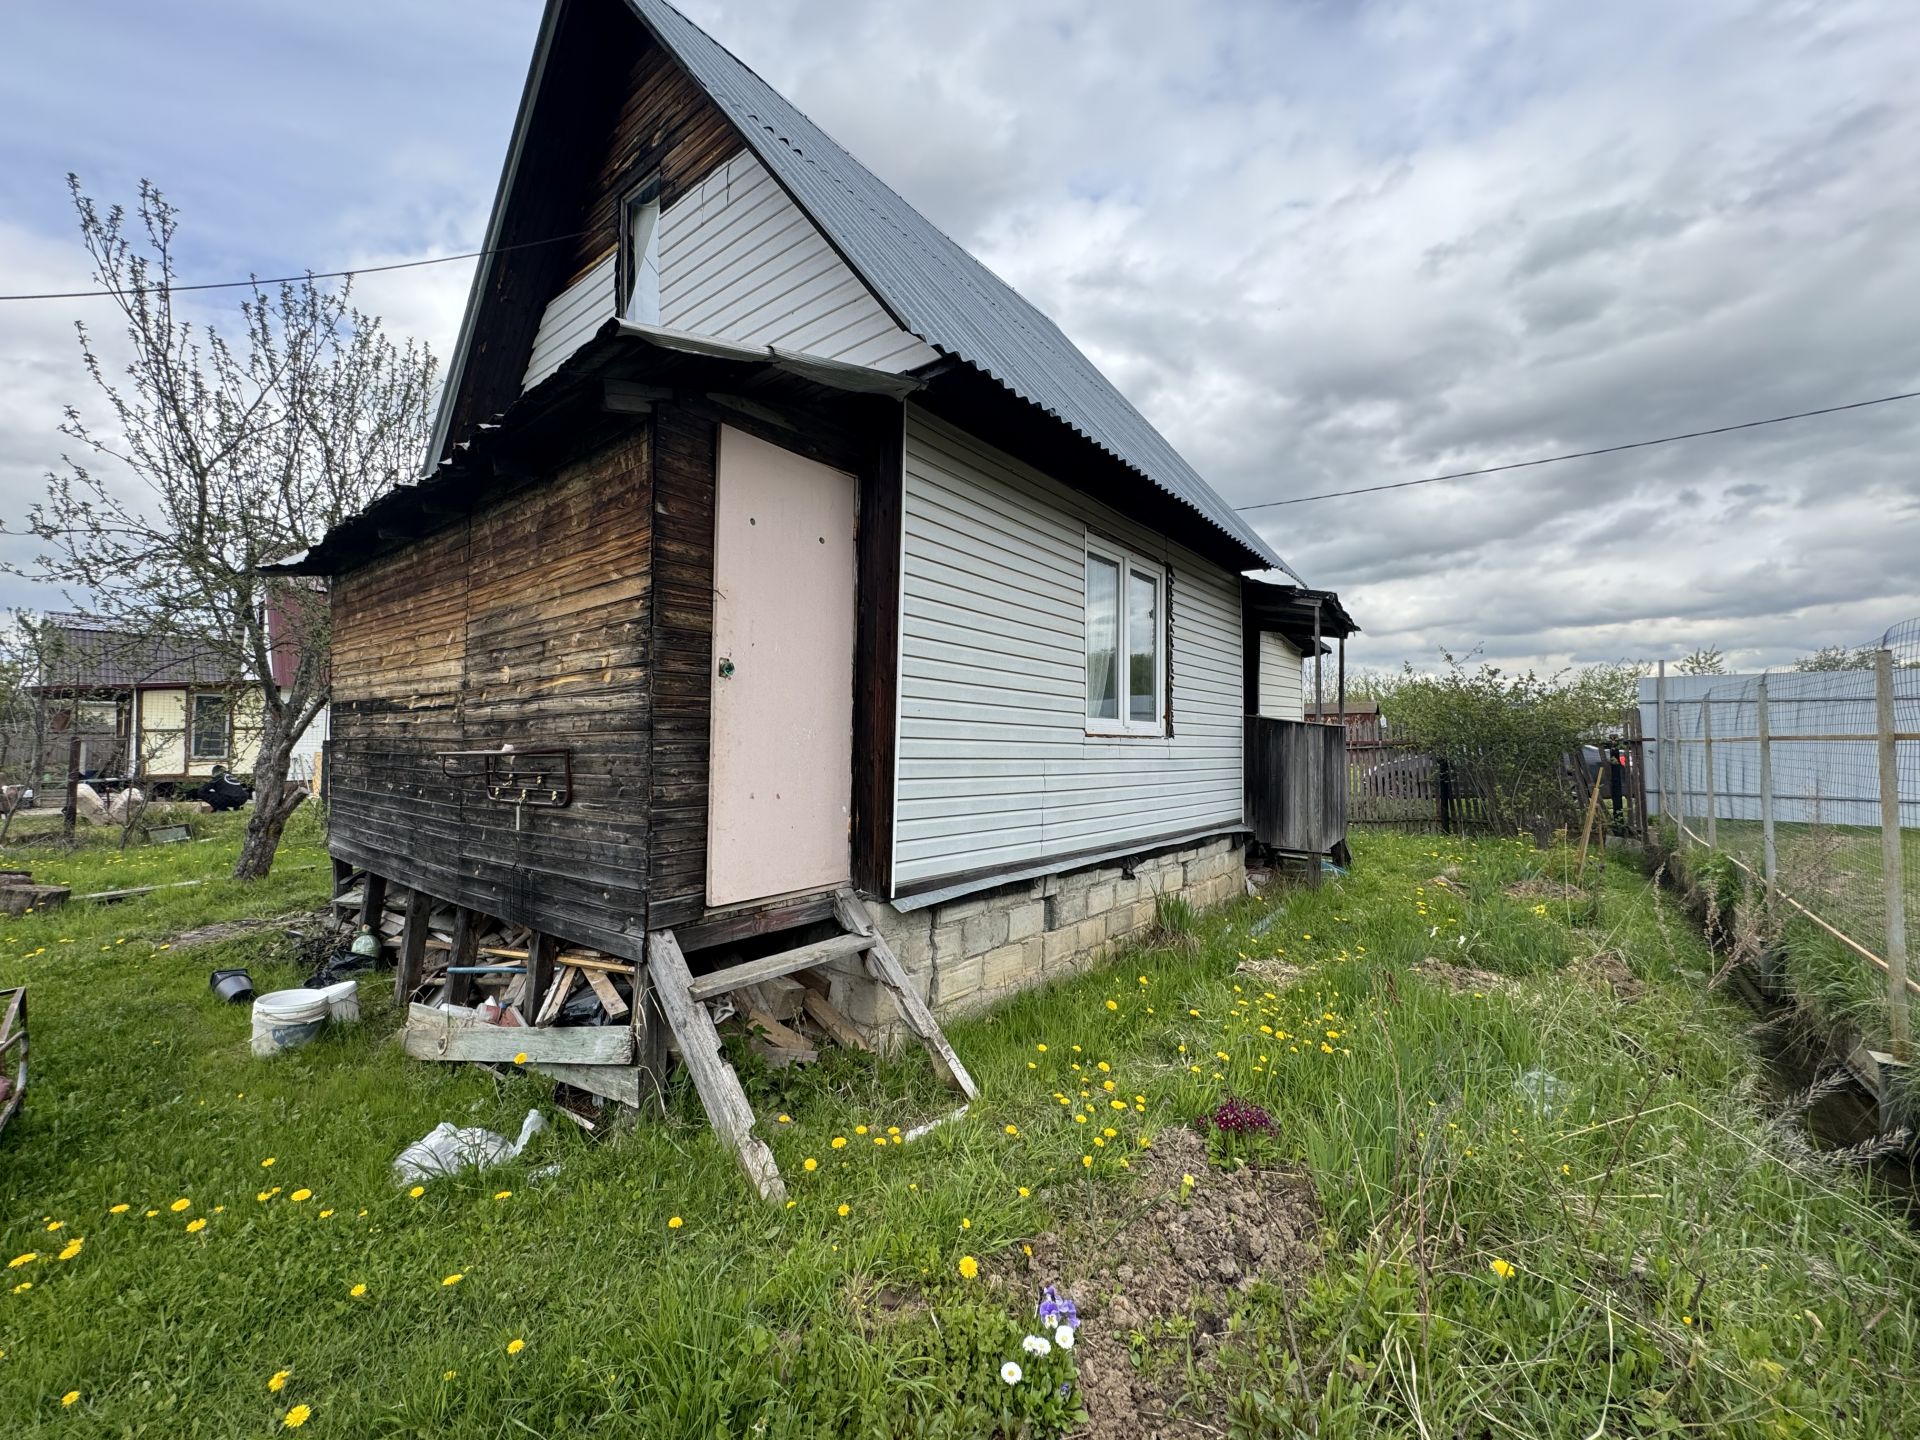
point(448, 1374)
point(23, 1286)
point(194, 1227)
point(844, 1210)
point(515, 1346)
point(809, 1164)
point(417, 1191)
point(269, 1162)
point(783, 1119)
point(358, 1290)
point(1013, 1129)
point(298, 1416)
point(1010, 1372)
point(965, 1223)
point(969, 1267)
point(675, 1222)
point(71, 1397)
point(1041, 1048)
point(520, 1058)
point(1025, 1192)
point(1037, 1345)
point(301, 1194)
point(120, 1209)
point(26, 1259)
point(839, 1142)
point(278, 1381)
point(1501, 1268)
point(859, 1129)
point(1087, 1161)
point(455, 1278)
point(1111, 1005)
point(325, 1214)
point(181, 1204)
point(56, 1225)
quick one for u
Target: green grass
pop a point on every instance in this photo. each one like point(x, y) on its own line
point(1670, 1270)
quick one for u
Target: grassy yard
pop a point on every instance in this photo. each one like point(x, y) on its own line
point(1518, 1181)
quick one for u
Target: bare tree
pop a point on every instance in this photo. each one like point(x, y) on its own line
point(30, 648)
point(222, 456)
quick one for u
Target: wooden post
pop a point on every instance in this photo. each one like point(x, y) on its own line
point(540, 953)
point(1892, 875)
point(413, 946)
point(71, 810)
point(1764, 729)
point(1706, 735)
point(1342, 685)
point(1443, 789)
point(1593, 809)
point(373, 902)
point(466, 943)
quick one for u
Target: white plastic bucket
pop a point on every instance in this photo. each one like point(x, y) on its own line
point(284, 1019)
point(343, 1001)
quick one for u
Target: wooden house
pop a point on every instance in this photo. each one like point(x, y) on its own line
point(778, 567)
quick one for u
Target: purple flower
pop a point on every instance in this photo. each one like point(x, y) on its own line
point(1238, 1117)
point(1056, 1311)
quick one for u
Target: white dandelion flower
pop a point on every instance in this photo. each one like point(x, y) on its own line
point(1010, 1372)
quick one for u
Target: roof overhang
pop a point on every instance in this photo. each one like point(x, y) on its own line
point(1295, 612)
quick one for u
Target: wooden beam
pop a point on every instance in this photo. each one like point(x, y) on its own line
point(728, 1110)
point(610, 999)
point(564, 979)
point(413, 946)
point(373, 902)
point(751, 972)
point(540, 951)
point(466, 940)
point(630, 397)
point(884, 966)
point(833, 1022)
point(433, 1034)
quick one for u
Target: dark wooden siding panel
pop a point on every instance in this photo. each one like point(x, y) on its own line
point(527, 625)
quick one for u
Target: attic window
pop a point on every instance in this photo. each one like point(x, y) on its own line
point(640, 255)
point(1126, 629)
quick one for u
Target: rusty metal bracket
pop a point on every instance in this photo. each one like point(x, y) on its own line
point(538, 779)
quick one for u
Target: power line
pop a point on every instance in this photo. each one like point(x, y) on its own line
point(1584, 454)
point(293, 279)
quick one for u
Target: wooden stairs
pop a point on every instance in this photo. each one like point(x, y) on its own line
point(683, 999)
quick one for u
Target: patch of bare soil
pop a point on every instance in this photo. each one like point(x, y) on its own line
point(234, 929)
point(1151, 1267)
point(1271, 972)
point(1607, 972)
point(1461, 977)
point(1540, 887)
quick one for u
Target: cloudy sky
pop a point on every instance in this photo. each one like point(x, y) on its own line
point(1320, 244)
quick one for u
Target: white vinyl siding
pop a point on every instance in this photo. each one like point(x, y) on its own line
point(1282, 689)
point(996, 766)
point(572, 317)
point(739, 261)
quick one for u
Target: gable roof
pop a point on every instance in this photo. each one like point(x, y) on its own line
point(929, 285)
point(95, 654)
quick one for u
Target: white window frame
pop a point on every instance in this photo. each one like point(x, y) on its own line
point(1129, 562)
point(635, 252)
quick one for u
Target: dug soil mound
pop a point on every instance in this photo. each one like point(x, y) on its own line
point(1156, 1276)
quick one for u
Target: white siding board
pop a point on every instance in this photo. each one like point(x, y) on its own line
point(1282, 684)
point(995, 766)
point(569, 322)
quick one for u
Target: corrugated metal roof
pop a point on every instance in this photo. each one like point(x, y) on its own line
point(94, 654)
point(932, 286)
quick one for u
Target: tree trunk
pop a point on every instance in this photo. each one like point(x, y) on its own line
point(271, 805)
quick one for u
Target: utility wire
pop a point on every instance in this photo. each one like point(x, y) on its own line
point(1584, 454)
point(293, 279)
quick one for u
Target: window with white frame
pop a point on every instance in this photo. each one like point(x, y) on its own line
point(640, 255)
point(1126, 642)
point(209, 731)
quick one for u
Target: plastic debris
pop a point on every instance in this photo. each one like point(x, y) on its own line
point(448, 1149)
point(1546, 1090)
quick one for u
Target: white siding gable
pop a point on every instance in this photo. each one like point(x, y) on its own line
point(1282, 692)
point(740, 262)
point(995, 766)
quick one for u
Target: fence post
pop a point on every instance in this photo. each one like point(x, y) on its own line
point(1769, 857)
point(1706, 735)
point(1891, 872)
point(1444, 788)
point(1665, 742)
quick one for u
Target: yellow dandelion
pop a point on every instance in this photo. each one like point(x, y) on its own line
point(969, 1267)
point(1501, 1268)
point(1087, 1161)
point(783, 1119)
point(269, 1162)
point(455, 1278)
point(1024, 1192)
point(301, 1194)
point(809, 1164)
point(1013, 1129)
point(1113, 1004)
point(298, 1416)
point(26, 1259)
point(326, 1214)
point(120, 1209)
point(965, 1223)
point(448, 1374)
point(22, 1287)
point(358, 1290)
point(181, 1204)
point(844, 1210)
point(194, 1227)
point(675, 1222)
point(859, 1129)
point(417, 1191)
point(70, 1398)
point(520, 1058)
point(278, 1380)
point(839, 1142)
point(1041, 1048)
point(56, 1225)
point(516, 1345)
point(879, 1139)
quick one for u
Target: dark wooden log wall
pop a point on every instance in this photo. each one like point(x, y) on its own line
point(526, 625)
point(613, 110)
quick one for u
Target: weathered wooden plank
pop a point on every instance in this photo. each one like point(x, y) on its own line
point(767, 967)
point(413, 947)
point(883, 965)
point(713, 1078)
point(439, 1035)
point(829, 1019)
point(610, 998)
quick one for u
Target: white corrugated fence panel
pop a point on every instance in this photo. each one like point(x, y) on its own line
point(995, 766)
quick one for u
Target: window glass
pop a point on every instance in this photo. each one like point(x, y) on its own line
point(1103, 638)
point(1143, 648)
point(209, 727)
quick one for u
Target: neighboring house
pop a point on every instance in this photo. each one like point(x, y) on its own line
point(163, 711)
point(772, 544)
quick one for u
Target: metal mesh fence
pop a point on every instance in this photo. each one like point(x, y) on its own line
point(1810, 782)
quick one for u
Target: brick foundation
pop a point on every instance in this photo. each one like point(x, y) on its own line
point(967, 954)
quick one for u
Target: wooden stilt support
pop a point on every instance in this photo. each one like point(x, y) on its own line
point(466, 940)
point(884, 966)
point(373, 901)
point(413, 946)
point(713, 1078)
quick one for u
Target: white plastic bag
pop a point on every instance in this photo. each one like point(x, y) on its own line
point(450, 1148)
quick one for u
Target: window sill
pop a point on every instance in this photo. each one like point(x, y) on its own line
point(1122, 732)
